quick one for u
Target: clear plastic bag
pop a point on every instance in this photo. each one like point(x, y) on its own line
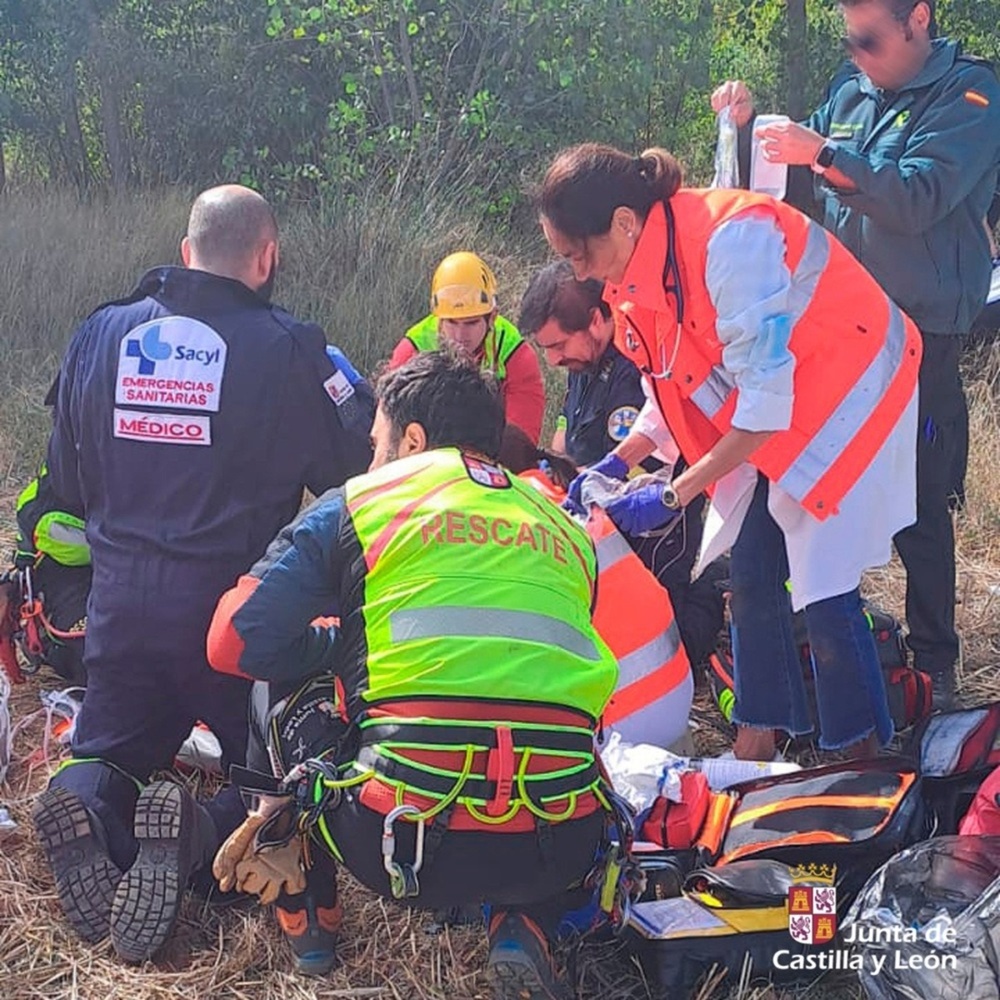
point(727, 166)
point(602, 490)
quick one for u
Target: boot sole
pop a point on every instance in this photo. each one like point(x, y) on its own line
point(86, 877)
point(149, 895)
point(517, 978)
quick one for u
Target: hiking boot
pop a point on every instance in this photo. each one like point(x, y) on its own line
point(176, 836)
point(74, 843)
point(520, 963)
point(943, 691)
point(311, 929)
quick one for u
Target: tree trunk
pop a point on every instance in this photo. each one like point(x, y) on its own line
point(75, 153)
point(795, 60)
point(110, 99)
point(3, 169)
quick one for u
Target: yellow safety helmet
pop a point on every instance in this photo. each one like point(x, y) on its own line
point(463, 286)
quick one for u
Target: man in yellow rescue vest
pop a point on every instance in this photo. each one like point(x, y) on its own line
point(463, 685)
point(464, 315)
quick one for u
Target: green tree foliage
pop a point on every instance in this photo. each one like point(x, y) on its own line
point(298, 96)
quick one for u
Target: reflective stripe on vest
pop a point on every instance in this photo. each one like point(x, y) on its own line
point(856, 355)
point(501, 341)
point(474, 591)
point(850, 417)
point(635, 617)
point(458, 622)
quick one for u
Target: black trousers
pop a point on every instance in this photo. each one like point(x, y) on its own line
point(148, 682)
point(927, 548)
point(528, 872)
point(699, 605)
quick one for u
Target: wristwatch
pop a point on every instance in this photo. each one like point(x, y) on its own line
point(824, 158)
point(670, 498)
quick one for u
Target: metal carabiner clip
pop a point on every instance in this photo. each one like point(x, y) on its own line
point(403, 879)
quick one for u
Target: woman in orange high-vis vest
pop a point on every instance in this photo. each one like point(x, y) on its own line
point(788, 379)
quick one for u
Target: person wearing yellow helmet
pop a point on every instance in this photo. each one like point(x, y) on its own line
point(465, 314)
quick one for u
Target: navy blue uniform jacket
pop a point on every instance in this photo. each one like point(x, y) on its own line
point(189, 417)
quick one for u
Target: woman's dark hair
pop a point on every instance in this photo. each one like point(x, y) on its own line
point(554, 293)
point(519, 453)
point(457, 404)
point(586, 183)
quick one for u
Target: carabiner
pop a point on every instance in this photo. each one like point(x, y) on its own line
point(402, 877)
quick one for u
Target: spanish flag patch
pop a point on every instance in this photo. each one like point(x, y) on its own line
point(974, 97)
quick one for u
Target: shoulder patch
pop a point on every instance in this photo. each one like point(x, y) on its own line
point(173, 361)
point(485, 473)
point(977, 99)
point(620, 422)
point(339, 388)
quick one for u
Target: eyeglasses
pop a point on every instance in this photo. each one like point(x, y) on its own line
point(869, 42)
point(872, 42)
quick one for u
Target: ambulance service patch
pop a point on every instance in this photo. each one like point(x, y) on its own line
point(620, 422)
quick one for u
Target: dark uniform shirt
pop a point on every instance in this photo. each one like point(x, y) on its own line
point(601, 407)
point(189, 417)
point(924, 160)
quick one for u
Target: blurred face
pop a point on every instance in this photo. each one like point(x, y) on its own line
point(602, 257)
point(577, 350)
point(466, 334)
point(889, 50)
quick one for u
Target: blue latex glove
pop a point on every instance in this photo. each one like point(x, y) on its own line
point(611, 466)
point(641, 510)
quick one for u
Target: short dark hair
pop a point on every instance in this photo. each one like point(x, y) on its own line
point(901, 10)
point(519, 453)
point(554, 293)
point(450, 396)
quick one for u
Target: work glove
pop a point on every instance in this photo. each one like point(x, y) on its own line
point(270, 871)
point(641, 511)
point(238, 845)
point(611, 466)
point(263, 855)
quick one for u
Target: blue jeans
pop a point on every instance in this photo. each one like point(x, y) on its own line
point(770, 690)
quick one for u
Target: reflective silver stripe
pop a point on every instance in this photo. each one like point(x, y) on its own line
point(66, 533)
point(844, 424)
point(714, 392)
point(611, 550)
point(647, 658)
point(815, 257)
point(498, 623)
point(711, 395)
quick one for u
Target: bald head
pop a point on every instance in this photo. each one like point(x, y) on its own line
point(230, 232)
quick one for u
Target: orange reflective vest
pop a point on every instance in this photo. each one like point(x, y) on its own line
point(857, 355)
point(634, 616)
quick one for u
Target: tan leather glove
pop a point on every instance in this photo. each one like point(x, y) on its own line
point(238, 845)
point(269, 871)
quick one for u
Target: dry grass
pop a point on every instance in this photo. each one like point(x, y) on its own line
point(361, 271)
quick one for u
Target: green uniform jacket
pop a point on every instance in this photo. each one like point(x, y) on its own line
point(924, 160)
